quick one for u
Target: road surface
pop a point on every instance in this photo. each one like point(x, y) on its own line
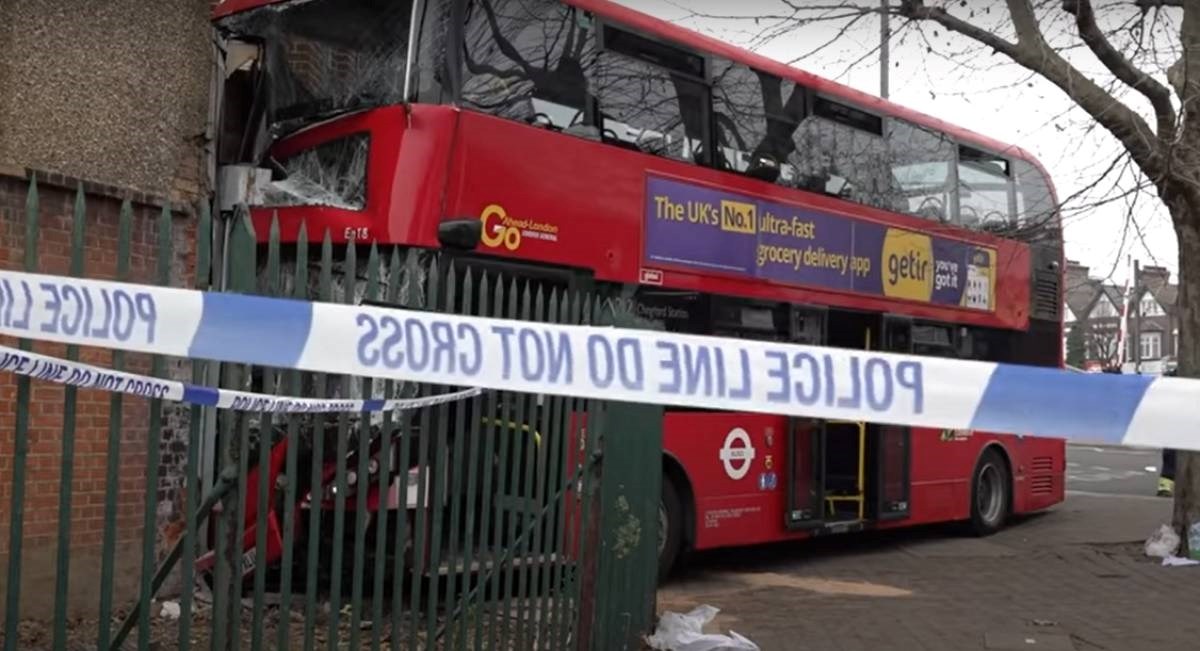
point(1073, 578)
point(1112, 471)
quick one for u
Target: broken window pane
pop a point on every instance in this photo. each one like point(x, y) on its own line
point(324, 57)
point(332, 174)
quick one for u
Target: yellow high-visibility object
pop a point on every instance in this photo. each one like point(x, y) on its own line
point(537, 436)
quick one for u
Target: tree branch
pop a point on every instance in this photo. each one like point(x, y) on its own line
point(1189, 77)
point(1123, 68)
point(1033, 52)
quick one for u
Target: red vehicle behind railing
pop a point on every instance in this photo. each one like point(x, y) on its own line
point(712, 190)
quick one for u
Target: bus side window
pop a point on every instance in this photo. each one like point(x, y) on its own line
point(840, 151)
point(652, 96)
point(755, 115)
point(530, 61)
point(920, 165)
point(935, 340)
point(1035, 204)
point(984, 188)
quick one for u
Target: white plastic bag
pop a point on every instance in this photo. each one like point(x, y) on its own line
point(685, 632)
point(170, 610)
point(1163, 543)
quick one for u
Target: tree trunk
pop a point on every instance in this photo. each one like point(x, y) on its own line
point(1187, 464)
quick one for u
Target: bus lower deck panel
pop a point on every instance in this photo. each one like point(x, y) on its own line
point(743, 472)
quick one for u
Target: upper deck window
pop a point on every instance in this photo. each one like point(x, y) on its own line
point(325, 57)
point(652, 51)
point(550, 64)
point(983, 189)
point(1035, 204)
point(921, 163)
point(649, 97)
point(765, 129)
point(756, 115)
point(773, 129)
point(529, 60)
point(838, 156)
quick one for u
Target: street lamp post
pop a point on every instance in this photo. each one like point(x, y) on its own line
point(885, 36)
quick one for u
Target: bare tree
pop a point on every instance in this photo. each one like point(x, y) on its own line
point(1102, 342)
point(1141, 85)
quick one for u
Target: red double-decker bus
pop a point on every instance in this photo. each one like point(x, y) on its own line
point(712, 190)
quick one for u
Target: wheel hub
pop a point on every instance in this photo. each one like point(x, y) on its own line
point(989, 496)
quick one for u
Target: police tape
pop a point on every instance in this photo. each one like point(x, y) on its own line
point(604, 363)
point(85, 376)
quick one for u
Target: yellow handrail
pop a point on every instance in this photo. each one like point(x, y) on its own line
point(860, 479)
point(537, 436)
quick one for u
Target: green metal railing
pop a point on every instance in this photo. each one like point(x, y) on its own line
point(498, 541)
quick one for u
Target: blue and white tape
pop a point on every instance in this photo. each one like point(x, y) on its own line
point(604, 363)
point(85, 376)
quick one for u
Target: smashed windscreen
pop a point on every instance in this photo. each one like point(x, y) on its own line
point(332, 174)
point(323, 57)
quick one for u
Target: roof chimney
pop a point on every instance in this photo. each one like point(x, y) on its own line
point(1154, 277)
point(1077, 274)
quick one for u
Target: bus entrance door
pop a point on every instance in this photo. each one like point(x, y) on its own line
point(890, 459)
point(805, 439)
point(843, 474)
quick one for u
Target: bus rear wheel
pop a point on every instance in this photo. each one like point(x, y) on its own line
point(670, 528)
point(990, 490)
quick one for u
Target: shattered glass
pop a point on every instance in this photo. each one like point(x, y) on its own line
point(332, 174)
point(324, 57)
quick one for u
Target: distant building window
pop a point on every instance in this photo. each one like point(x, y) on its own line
point(1151, 345)
point(1104, 308)
point(1149, 306)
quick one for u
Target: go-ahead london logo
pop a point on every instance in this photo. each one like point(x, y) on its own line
point(737, 453)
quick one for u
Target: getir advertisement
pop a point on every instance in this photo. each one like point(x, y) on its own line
point(696, 226)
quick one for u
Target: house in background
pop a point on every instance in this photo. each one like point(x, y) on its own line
point(1093, 316)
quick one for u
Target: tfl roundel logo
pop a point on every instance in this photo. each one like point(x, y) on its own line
point(737, 453)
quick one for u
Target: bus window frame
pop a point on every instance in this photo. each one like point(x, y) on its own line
point(416, 26)
point(748, 334)
point(808, 99)
point(1010, 184)
point(951, 351)
point(705, 80)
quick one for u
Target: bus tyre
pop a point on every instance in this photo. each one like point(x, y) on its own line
point(670, 528)
point(990, 490)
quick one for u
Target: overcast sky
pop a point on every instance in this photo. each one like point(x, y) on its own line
point(974, 89)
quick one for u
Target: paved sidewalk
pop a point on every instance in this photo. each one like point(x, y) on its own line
point(1074, 578)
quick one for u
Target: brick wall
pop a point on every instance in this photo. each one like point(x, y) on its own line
point(57, 197)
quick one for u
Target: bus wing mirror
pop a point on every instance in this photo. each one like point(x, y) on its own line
point(460, 233)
